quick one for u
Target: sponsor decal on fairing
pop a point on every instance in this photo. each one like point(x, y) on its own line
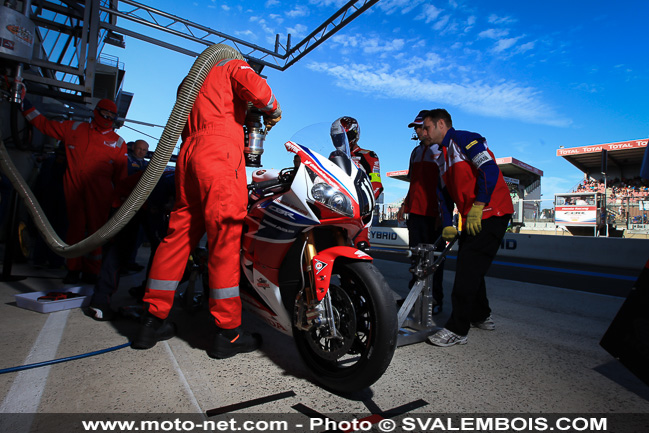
point(319, 265)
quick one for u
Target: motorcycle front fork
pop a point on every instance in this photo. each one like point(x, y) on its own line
point(310, 312)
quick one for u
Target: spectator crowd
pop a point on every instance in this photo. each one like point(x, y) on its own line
point(634, 188)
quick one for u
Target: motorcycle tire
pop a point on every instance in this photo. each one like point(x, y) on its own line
point(365, 314)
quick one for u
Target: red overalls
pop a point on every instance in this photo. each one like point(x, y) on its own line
point(96, 161)
point(211, 193)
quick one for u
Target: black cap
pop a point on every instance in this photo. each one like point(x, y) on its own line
point(419, 120)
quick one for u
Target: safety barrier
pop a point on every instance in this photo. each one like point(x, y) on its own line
point(601, 251)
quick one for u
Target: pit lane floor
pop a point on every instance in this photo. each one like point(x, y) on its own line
point(544, 357)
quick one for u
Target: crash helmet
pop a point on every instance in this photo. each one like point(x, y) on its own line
point(350, 126)
point(105, 113)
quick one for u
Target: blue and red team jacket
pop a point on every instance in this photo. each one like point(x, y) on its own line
point(469, 173)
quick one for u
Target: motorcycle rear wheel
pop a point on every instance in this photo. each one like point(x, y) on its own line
point(365, 314)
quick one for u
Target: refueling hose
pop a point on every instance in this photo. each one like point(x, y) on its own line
point(174, 127)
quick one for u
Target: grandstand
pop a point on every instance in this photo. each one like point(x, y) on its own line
point(613, 169)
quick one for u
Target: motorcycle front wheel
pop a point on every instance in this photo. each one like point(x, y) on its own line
point(366, 317)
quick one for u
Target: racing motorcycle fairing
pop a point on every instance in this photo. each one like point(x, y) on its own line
point(321, 194)
point(300, 224)
point(266, 299)
point(323, 264)
point(322, 171)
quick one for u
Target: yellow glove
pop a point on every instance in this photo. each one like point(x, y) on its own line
point(449, 233)
point(474, 219)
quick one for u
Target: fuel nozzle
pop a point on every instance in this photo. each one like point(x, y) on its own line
point(255, 134)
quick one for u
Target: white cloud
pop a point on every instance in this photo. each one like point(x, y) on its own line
point(327, 3)
point(429, 62)
point(246, 33)
point(493, 33)
point(298, 11)
point(443, 24)
point(262, 24)
point(586, 87)
point(345, 40)
point(403, 6)
point(495, 19)
point(507, 100)
point(470, 22)
point(526, 47)
point(277, 18)
point(429, 13)
point(369, 45)
point(376, 46)
point(504, 44)
point(298, 31)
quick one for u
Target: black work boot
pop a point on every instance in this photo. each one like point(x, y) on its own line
point(229, 342)
point(151, 331)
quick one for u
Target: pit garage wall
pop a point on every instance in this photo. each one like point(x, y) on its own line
point(610, 252)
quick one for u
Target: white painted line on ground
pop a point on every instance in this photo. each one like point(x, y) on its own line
point(183, 380)
point(28, 386)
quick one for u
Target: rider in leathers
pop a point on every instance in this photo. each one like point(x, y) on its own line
point(211, 196)
point(368, 160)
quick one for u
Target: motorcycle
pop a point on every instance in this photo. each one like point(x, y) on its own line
point(302, 276)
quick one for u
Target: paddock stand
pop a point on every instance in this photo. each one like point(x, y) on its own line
point(415, 316)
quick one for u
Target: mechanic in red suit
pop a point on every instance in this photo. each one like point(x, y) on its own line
point(96, 158)
point(366, 159)
point(211, 196)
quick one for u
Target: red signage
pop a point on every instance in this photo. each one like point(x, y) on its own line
point(633, 144)
point(520, 164)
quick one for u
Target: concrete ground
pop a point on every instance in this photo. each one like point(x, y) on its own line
point(543, 358)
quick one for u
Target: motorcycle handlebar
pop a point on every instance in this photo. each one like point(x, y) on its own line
point(285, 178)
point(265, 184)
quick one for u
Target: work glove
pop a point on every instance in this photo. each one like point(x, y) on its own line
point(449, 233)
point(474, 219)
point(269, 122)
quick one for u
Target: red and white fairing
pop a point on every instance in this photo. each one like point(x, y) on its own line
point(321, 193)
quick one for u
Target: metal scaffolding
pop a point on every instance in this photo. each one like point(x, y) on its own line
point(70, 36)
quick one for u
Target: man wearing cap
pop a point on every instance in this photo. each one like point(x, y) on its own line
point(424, 224)
point(96, 157)
point(474, 183)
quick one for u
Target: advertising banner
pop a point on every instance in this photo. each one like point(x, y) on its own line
point(576, 215)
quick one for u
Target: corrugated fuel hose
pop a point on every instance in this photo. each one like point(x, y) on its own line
point(175, 124)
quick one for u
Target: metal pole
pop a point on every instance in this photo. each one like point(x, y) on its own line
point(605, 205)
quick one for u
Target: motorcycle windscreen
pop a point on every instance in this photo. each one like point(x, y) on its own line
point(342, 156)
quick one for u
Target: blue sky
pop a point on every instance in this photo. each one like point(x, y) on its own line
point(529, 76)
